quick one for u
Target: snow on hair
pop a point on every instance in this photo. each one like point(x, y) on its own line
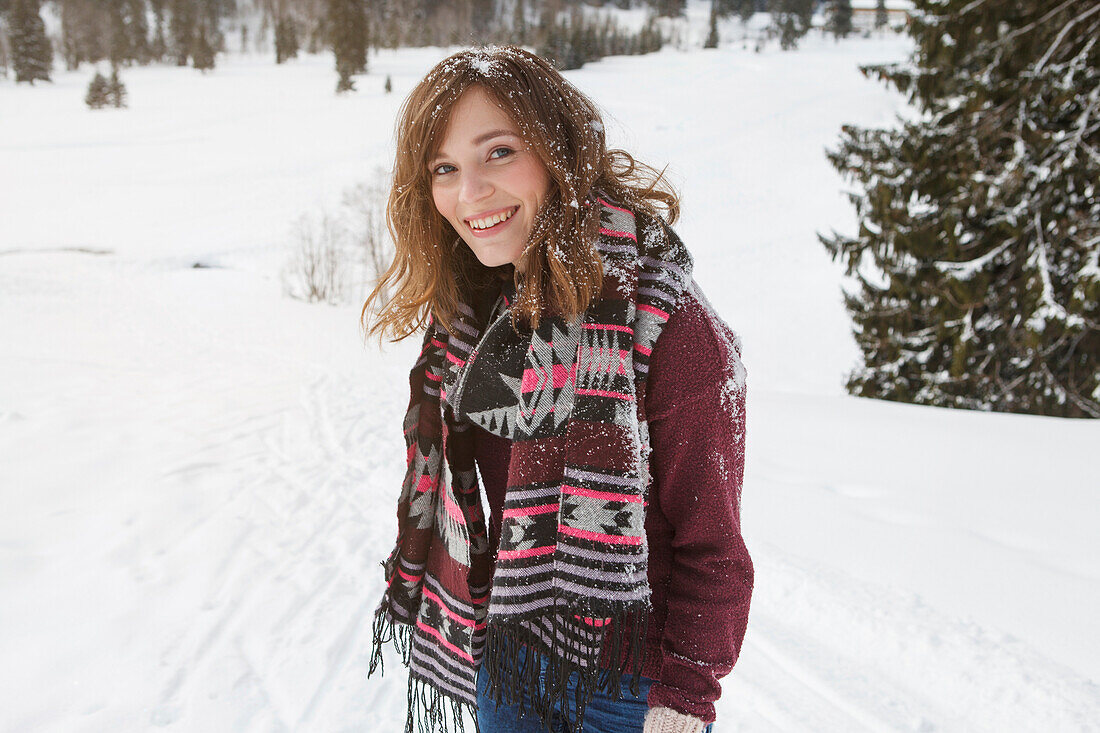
point(429, 275)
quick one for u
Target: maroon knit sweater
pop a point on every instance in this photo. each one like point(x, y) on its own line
point(700, 573)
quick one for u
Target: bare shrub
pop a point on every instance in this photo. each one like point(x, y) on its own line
point(316, 270)
point(365, 204)
point(338, 258)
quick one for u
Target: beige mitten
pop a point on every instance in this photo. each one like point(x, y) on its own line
point(667, 720)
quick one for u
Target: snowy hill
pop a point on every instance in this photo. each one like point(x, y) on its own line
point(199, 474)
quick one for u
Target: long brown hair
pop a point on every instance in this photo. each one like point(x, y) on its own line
point(432, 270)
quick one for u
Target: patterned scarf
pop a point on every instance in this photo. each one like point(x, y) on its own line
point(570, 576)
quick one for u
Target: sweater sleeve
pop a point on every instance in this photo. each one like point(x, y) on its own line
point(697, 430)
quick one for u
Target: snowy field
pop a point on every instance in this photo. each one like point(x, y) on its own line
point(198, 474)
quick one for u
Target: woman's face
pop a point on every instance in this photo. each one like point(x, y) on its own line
point(485, 182)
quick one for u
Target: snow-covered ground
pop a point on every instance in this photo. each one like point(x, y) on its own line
point(198, 475)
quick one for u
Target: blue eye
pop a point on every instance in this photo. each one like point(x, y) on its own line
point(506, 151)
point(439, 169)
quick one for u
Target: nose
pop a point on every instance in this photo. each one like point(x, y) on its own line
point(474, 187)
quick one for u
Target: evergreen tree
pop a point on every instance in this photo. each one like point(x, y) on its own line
point(99, 94)
point(182, 30)
point(669, 8)
point(129, 31)
point(712, 33)
point(158, 48)
point(389, 84)
point(202, 57)
point(650, 38)
point(85, 33)
point(286, 40)
point(482, 19)
point(211, 13)
point(116, 91)
point(726, 8)
point(4, 62)
point(746, 9)
point(881, 16)
point(840, 18)
point(120, 38)
point(350, 34)
point(32, 55)
point(519, 23)
point(976, 258)
point(791, 20)
point(137, 30)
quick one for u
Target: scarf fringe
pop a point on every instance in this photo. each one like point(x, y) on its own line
point(513, 681)
point(429, 708)
point(385, 630)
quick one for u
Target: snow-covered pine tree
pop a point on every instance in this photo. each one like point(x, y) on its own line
point(839, 21)
point(746, 9)
point(158, 47)
point(85, 34)
point(881, 16)
point(286, 39)
point(119, 46)
point(181, 29)
point(137, 29)
point(791, 19)
point(712, 31)
point(116, 90)
point(349, 36)
point(203, 53)
point(4, 56)
point(212, 12)
point(99, 94)
point(32, 55)
point(668, 8)
point(977, 283)
point(519, 23)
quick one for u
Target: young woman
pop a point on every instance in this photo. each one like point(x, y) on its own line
point(570, 361)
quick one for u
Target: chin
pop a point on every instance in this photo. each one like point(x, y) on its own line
point(495, 257)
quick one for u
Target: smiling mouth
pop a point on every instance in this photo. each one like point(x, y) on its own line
point(491, 222)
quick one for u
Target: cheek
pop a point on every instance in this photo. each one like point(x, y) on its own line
point(437, 200)
point(536, 180)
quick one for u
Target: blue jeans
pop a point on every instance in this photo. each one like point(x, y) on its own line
point(603, 715)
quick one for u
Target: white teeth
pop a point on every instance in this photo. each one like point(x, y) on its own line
point(492, 220)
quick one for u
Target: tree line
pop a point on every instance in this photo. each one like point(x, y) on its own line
point(570, 32)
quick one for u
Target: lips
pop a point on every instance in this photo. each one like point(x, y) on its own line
point(489, 220)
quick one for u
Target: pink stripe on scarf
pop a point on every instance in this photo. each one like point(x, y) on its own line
point(517, 554)
point(462, 620)
point(529, 510)
point(614, 539)
point(605, 495)
point(617, 233)
point(610, 205)
point(607, 327)
point(605, 393)
point(410, 578)
point(423, 626)
point(652, 309)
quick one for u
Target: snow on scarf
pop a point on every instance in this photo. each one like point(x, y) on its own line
point(570, 572)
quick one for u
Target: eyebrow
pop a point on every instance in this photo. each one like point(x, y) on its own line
point(480, 139)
